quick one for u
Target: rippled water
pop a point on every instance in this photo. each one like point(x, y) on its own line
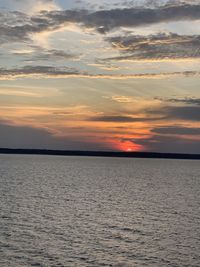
point(79, 211)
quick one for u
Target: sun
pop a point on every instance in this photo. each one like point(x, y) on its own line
point(128, 146)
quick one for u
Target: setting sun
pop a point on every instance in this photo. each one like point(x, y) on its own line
point(128, 146)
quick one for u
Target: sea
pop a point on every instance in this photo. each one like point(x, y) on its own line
point(93, 211)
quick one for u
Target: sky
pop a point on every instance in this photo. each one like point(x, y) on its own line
point(92, 75)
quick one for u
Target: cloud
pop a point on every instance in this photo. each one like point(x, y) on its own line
point(64, 72)
point(176, 130)
point(190, 113)
point(184, 113)
point(107, 20)
point(161, 113)
point(122, 99)
point(41, 54)
point(122, 119)
point(16, 26)
point(168, 144)
point(39, 71)
point(187, 100)
point(161, 46)
point(13, 136)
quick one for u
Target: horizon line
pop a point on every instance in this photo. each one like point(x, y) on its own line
point(125, 154)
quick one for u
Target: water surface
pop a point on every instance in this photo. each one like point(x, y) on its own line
point(83, 211)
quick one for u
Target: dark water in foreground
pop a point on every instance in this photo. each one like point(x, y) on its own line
point(79, 211)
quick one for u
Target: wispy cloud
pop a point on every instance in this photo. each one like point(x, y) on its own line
point(41, 54)
point(64, 72)
point(123, 119)
point(122, 99)
point(159, 47)
point(186, 100)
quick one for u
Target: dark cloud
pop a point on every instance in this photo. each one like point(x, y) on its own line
point(13, 27)
point(132, 17)
point(46, 55)
point(159, 46)
point(16, 26)
point(64, 72)
point(184, 113)
point(190, 113)
point(177, 112)
point(28, 137)
point(176, 130)
point(122, 119)
point(169, 144)
point(36, 70)
point(56, 54)
point(156, 3)
point(107, 20)
point(187, 100)
point(16, 136)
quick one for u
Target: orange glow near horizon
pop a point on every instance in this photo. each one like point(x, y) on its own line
point(128, 146)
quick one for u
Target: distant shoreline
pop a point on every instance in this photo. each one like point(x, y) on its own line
point(153, 155)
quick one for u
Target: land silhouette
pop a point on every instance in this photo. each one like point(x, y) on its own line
point(100, 153)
